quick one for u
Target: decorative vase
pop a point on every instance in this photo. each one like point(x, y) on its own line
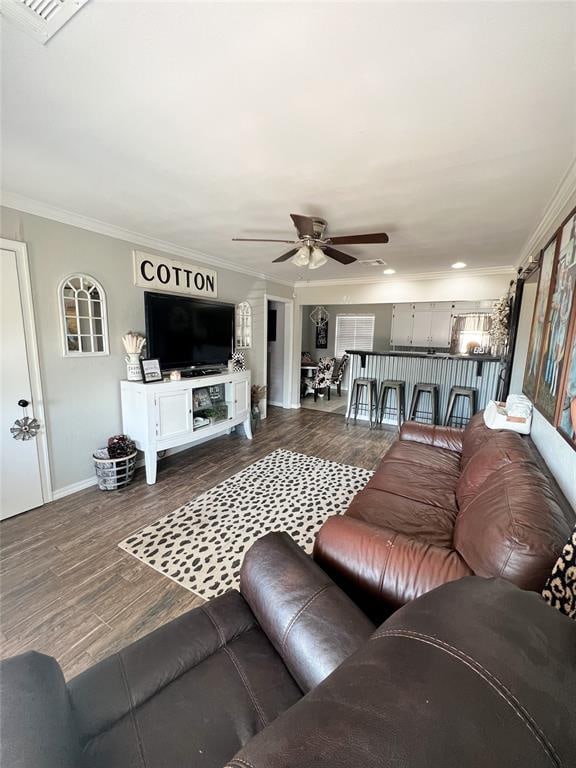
point(133, 370)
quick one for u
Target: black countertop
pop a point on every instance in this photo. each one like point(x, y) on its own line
point(436, 355)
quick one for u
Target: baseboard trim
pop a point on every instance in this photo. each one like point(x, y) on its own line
point(68, 490)
point(81, 485)
point(276, 403)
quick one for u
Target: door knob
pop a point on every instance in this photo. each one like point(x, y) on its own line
point(23, 403)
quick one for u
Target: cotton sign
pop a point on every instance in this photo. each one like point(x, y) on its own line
point(158, 273)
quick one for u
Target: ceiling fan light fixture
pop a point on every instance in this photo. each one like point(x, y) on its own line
point(317, 258)
point(302, 258)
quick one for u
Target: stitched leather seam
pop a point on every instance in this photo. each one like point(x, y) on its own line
point(259, 711)
point(299, 613)
point(132, 712)
point(385, 566)
point(501, 689)
point(239, 761)
point(234, 659)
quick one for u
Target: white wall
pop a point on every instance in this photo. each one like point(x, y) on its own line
point(275, 371)
point(82, 395)
point(461, 287)
point(558, 455)
point(382, 326)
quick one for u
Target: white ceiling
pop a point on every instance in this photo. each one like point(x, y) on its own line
point(447, 125)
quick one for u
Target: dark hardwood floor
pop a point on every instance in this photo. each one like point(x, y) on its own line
point(66, 588)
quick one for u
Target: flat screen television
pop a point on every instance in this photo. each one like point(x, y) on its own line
point(183, 332)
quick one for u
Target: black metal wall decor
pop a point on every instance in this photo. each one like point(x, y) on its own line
point(322, 336)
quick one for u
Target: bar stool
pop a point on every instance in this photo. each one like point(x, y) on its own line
point(392, 385)
point(371, 396)
point(470, 394)
point(420, 389)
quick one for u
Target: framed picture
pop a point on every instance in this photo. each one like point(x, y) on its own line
point(150, 371)
point(322, 336)
point(558, 323)
point(201, 398)
point(538, 321)
point(567, 403)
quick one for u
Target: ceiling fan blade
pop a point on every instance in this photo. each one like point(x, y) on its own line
point(286, 256)
point(304, 225)
point(260, 240)
point(378, 237)
point(343, 258)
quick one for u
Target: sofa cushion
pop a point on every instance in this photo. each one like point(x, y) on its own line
point(444, 461)
point(503, 448)
point(514, 527)
point(474, 437)
point(37, 726)
point(420, 483)
point(415, 519)
point(474, 674)
point(193, 692)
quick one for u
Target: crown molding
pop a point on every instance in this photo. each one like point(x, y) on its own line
point(394, 280)
point(561, 203)
point(46, 211)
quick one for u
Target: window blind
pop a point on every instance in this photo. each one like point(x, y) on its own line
point(354, 332)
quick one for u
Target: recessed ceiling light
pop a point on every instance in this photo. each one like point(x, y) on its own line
point(389, 271)
point(458, 265)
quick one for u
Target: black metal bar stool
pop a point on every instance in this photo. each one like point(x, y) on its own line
point(432, 390)
point(470, 394)
point(371, 399)
point(392, 385)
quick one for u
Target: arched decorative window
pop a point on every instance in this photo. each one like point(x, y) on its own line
point(83, 316)
point(243, 325)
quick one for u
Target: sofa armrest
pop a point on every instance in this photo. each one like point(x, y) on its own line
point(312, 624)
point(448, 438)
point(382, 569)
point(37, 727)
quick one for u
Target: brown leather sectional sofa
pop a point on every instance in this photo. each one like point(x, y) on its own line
point(476, 673)
point(446, 503)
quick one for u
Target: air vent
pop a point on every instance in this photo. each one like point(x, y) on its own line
point(40, 18)
point(373, 262)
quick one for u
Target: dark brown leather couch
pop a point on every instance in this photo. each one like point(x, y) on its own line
point(476, 673)
point(446, 503)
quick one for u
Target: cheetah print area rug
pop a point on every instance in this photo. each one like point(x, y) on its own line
point(201, 545)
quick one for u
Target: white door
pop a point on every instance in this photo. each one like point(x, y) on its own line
point(402, 322)
point(173, 414)
point(241, 398)
point(440, 328)
point(421, 328)
point(20, 478)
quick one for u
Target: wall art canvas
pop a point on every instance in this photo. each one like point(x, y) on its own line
point(322, 336)
point(555, 336)
point(567, 418)
point(538, 322)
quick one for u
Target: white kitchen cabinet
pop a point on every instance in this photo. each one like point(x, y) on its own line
point(421, 328)
point(168, 414)
point(440, 328)
point(425, 324)
point(402, 322)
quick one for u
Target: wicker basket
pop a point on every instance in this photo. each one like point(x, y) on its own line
point(113, 473)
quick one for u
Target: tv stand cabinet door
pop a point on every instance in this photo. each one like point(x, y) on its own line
point(173, 414)
point(242, 399)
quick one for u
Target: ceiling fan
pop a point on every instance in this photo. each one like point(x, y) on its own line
point(312, 246)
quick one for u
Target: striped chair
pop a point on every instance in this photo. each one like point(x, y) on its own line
point(339, 373)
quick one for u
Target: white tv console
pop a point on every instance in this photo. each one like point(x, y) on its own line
point(161, 415)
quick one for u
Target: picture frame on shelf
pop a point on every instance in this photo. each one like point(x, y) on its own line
point(201, 398)
point(150, 371)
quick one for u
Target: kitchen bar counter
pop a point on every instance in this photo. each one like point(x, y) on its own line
point(481, 372)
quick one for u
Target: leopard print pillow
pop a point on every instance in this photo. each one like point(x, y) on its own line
point(560, 588)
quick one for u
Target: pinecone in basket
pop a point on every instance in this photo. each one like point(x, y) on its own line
point(120, 446)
